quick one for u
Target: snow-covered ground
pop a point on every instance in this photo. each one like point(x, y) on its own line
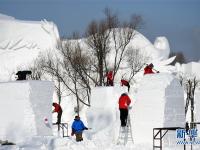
point(157, 100)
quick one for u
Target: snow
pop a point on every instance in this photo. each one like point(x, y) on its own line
point(22, 41)
point(25, 104)
point(103, 116)
point(159, 51)
point(162, 44)
point(159, 103)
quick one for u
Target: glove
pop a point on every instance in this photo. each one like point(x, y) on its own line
point(86, 128)
point(158, 72)
point(129, 107)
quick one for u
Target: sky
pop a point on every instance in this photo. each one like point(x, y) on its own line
point(178, 20)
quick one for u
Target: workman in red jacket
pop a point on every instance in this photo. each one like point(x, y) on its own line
point(57, 109)
point(124, 102)
point(125, 83)
point(109, 76)
point(149, 69)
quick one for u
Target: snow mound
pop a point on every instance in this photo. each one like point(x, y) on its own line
point(24, 108)
point(159, 103)
point(22, 41)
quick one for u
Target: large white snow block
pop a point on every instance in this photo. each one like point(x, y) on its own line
point(160, 103)
point(103, 115)
point(23, 107)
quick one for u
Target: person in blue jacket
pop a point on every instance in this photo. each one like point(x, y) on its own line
point(77, 128)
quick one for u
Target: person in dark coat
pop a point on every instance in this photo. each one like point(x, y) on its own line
point(125, 83)
point(77, 128)
point(124, 102)
point(109, 76)
point(149, 69)
point(57, 109)
point(22, 74)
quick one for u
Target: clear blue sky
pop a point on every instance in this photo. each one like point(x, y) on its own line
point(178, 20)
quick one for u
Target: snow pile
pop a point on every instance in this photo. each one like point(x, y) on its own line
point(159, 103)
point(25, 104)
point(22, 41)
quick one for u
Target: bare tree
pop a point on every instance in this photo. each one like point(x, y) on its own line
point(63, 71)
point(190, 83)
point(136, 60)
point(98, 40)
point(122, 37)
point(77, 66)
point(100, 34)
point(37, 72)
point(72, 71)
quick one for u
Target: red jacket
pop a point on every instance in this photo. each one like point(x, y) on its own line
point(124, 82)
point(124, 101)
point(109, 75)
point(148, 70)
point(57, 107)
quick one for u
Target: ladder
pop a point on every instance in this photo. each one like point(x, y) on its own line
point(125, 133)
point(158, 135)
point(64, 127)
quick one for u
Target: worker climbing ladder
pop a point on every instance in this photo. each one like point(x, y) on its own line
point(125, 133)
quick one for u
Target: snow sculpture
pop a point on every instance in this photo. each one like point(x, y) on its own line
point(22, 41)
point(162, 45)
point(160, 103)
point(104, 112)
point(24, 105)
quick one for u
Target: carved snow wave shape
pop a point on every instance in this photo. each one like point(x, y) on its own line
point(17, 34)
point(17, 44)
